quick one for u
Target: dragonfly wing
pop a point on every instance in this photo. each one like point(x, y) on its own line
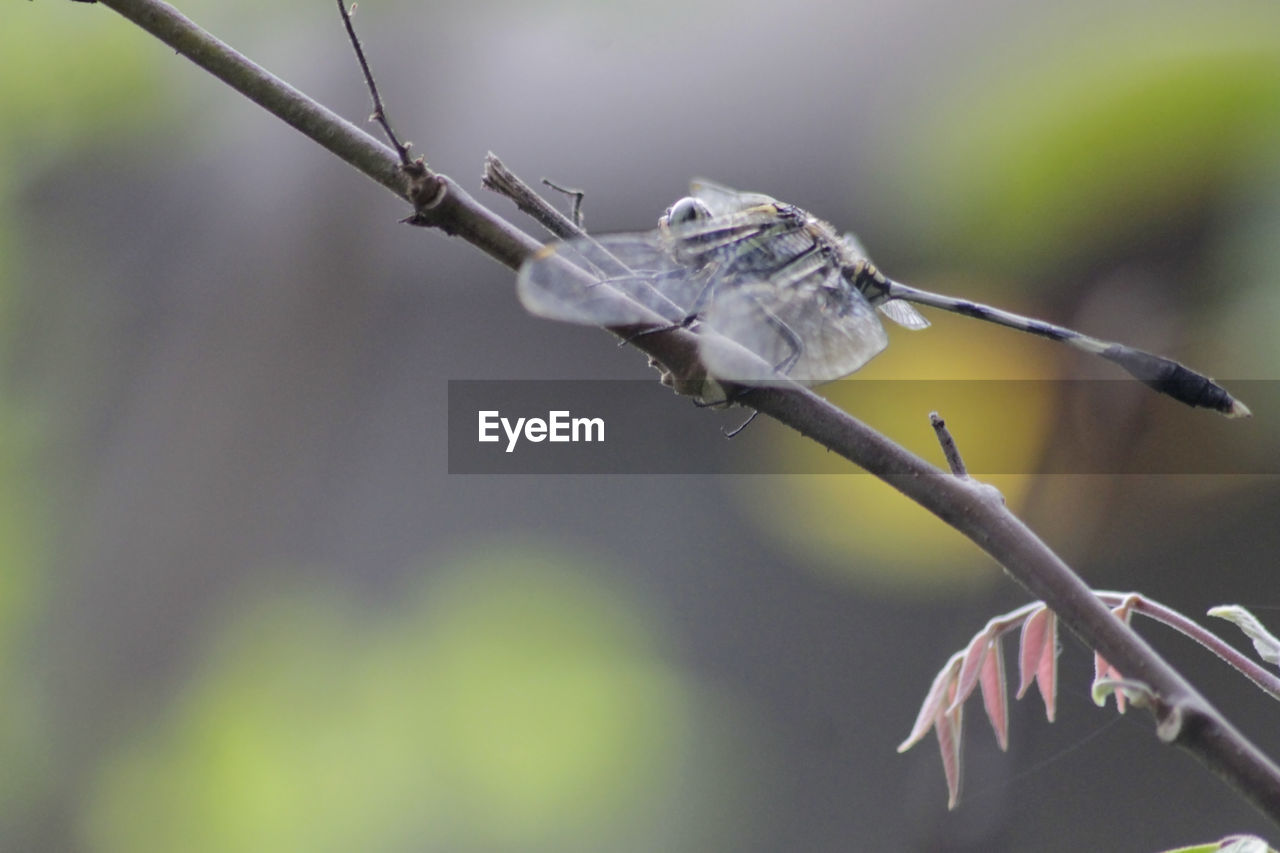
point(612, 280)
point(904, 314)
point(812, 330)
point(723, 200)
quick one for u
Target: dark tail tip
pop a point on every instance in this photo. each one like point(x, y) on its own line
point(1181, 383)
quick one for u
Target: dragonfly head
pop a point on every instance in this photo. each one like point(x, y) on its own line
point(686, 210)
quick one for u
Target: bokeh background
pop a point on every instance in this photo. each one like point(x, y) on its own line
point(244, 606)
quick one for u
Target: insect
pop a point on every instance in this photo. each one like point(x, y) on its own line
point(776, 294)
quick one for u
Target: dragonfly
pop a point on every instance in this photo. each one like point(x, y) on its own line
point(776, 294)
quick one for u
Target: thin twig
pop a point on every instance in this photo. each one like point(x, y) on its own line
point(1265, 680)
point(379, 113)
point(1203, 731)
point(949, 449)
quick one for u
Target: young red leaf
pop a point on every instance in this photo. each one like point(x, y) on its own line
point(1038, 658)
point(948, 730)
point(941, 689)
point(1030, 647)
point(971, 668)
point(995, 694)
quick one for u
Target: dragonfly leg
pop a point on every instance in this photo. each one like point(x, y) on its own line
point(789, 337)
point(577, 196)
point(686, 323)
point(740, 427)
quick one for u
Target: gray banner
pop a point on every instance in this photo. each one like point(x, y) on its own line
point(639, 427)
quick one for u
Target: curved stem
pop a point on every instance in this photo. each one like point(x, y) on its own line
point(1265, 680)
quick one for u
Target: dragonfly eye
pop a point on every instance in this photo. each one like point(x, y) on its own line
point(688, 209)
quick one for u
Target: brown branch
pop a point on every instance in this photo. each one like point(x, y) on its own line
point(1184, 717)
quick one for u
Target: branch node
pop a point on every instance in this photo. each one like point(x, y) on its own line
point(426, 190)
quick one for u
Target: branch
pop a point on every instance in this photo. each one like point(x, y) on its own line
point(1184, 716)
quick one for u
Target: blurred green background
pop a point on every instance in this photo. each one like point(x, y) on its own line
point(243, 605)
